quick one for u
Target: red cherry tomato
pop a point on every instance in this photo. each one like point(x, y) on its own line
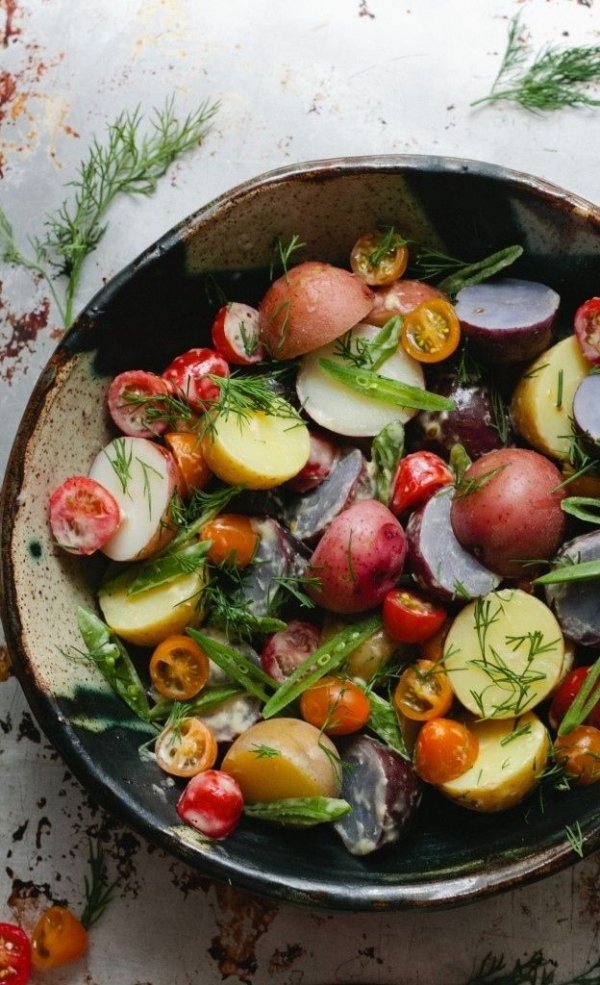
point(83, 515)
point(336, 706)
point(235, 334)
point(323, 457)
point(58, 938)
point(418, 477)
point(133, 404)
point(587, 329)
point(566, 693)
point(15, 955)
point(444, 750)
point(423, 692)
point(579, 755)
point(286, 650)
point(189, 374)
point(409, 618)
point(212, 802)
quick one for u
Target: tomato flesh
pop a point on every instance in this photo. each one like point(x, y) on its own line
point(431, 332)
point(444, 750)
point(186, 748)
point(15, 955)
point(409, 618)
point(58, 938)
point(83, 515)
point(233, 537)
point(418, 477)
point(212, 802)
point(337, 706)
point(186, 448)
point(179, 668)
point(578, 753)
point(134, 403)
point(235, 334)
point(379, 257)
point(423, 692)
point(587, 329)
point(190, 376)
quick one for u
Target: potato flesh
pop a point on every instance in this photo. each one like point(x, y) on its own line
point(149, 617)
point(512, 755)
point(520, 660)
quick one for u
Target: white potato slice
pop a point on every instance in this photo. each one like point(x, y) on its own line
point(542, 403)
point(142, 477)
point(336, 407)
point(149, 617)
point(513, 754)
point(504, 654)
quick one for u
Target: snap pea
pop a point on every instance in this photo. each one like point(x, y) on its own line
point(301, 812)
point(159, 570)
point(209, 699)
point(384, 389)
point(112, 660)
point(576, 506)
point(383, 721)
point(327, 658)
point(386, 451)
point(384, 344)
point(585, 699)
point(582, 571)
point(475, 273)
point(240, 669)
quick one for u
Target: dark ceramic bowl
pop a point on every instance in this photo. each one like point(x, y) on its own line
point(162, 305)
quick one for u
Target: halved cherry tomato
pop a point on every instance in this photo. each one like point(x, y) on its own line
point(566, 693)
point(444, 750)
point(336, 706)
point(83, 515)
point(578, 753)
point(186, 748)
point(379, 257)
point(134, 403)
point(15, 955)
point(587, 329)
point(409, 618)
point(423, 692)
point(233, 537)
point(189, 374)
point(212, 802)
point(431, 332)
point(323, 457)
point(58, 938)
point(418, 477)
point(235, 334)
point(186, 449)
point(179, 668)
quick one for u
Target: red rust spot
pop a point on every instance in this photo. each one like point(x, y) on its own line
point(8, 88)
point(5, 668)
point(24, 331)
point(241, 921)
point(10, 31)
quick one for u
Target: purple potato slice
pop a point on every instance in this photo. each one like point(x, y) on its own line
point(586, 409)
point(478, 422)
point(507, 320)
point(576, 604)
point(308, 515)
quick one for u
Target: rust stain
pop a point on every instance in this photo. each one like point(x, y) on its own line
point(5, 667)
point(28, 899)
point(590, 897)
point(8, 88)
point(241, 921)
point(23, 331)
point(10, 31)
point(283, 960)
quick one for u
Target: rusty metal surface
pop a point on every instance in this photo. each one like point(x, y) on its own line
point(317, 79)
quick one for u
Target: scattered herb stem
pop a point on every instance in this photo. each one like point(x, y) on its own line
point(98, 891)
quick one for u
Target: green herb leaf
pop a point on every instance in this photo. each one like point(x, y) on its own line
point(167, 567)
point(114, 663)
point(386, 451)
point(585, 699)
point(581, 571)
point(383, 389)
point(300, 812)
point(383, 720)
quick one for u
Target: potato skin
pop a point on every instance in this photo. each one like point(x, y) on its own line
point(358, 559)
point(309, 306)
point(512, 516)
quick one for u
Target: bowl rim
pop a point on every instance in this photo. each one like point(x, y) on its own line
point(453, 890)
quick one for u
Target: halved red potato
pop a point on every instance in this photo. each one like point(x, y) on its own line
point(400, 298)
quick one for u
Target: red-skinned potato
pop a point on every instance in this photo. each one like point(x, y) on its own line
point(400, 298)
point(510, 510)
point(359, 558)
point(310, 305)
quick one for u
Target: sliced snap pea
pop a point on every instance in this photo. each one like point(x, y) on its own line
point(577, 506)
point(582, 571)
point(385, 343)
point(475, 273)
point(166, 568)
point(384, 389)
point(386, 451)
point(209, 699)
point(301, 812)
point(240, 669)
point(112, 660)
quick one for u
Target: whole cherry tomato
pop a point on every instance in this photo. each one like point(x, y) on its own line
point(431, 332)
point(423, 692)
point(186, 448)
point(135, 405)
point(418, 477)
point(379, 257)
point(235, 334)
point(587, 329)
point(186, 748)
point(83, 515)
point(335, 705)
point(578, 753)
point(190, 376)
point(409, 618)
point(212, 802)
point(444, 750)
point(179, 668)
point(565, 695)
point(233, 537)
point(15, 955)
point(58, 938)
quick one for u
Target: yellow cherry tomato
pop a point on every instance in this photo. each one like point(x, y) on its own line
point(58, 938)
point(179, 668)
point(431, 332)
point(186, 748)
point(379, 257)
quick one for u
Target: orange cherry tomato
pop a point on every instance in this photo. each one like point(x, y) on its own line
point(57, 939)
point(186, 449)
point(233, 539)
point(179, 668)
point(409, 618)
point(379, 257)
point(423, 692)
point(431, 332)
point(433, 648)
point(336, 706)
point(444, 750)
point(186, 748)
point(578, 753)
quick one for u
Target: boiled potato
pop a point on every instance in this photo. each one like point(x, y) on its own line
point(149, 617)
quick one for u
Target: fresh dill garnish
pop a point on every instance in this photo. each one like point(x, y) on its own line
point(430, 264)
point(146, 468)
point(468, 486)
point(515, 733)
point(499, 420)
point(575, 837)
point(265, 752)
point(121, 463)
point(243, 395)
point(365, 354)
point(158, 408)
point(98, 891)
point(228, 610)
point(294, 585)
point(556, 77)
point(388, 243)
point(129, 162)
point(282, 252)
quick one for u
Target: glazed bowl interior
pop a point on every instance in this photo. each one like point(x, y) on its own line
point(163, 304)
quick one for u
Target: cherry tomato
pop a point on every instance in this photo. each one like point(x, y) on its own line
point(409, 618)
point(433, 648)
point(233, 537)
point(58, 938)
point(417, 478)
point(15, 955)
point(579, 755)
point(235, 334)
point(179, 668)
point(186, 748)
point(423, 692)
point(286, 650)
point(186, 448)
point(133, 406)
point(379, 257)
point(212, 802)
point(587, 329)
point(566, 693)
point(431, 332)
point(323, 457)
point(83, 515)
point(336, 706)
point(444, 750)
point(189, 374)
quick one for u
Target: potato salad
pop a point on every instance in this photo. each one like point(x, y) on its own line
point(353, 546)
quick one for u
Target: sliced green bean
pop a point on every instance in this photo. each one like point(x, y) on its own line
point(107, 652)
point(301, 812)
point(475, 273)
point(583, 571)
point(383, 389)
point(240, 669)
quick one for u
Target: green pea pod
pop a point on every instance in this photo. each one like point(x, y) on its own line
point(386, 451)
point(326, 659)
point(240, 669)
point(383, 720)
point(300, 812)
point(383, 389)
point(385, 343)
point(160, 570)
point(577, 506)
point(475, 273)
point(585, 699)
point(112, 660)
point(583, 571)
point(209, 699)
point(459, 461)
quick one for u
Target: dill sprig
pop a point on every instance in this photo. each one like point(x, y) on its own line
point(555, 79)
point(98, 891)
point(128, 162)
point(282, 252)
point(243, 395)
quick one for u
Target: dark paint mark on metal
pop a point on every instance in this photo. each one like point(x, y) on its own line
point(18, 834)
point(28, 730)
point(282, 960)
point(35, 549)
point(44, 824)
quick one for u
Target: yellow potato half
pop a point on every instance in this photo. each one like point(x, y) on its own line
point(149, 617)
point(512, 756)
